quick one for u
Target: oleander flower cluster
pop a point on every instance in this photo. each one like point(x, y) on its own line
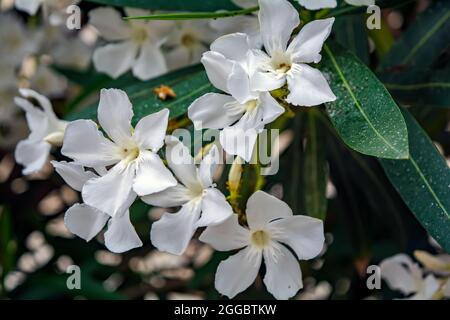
point(114, 160)
point(261, 68)
point(430, 282)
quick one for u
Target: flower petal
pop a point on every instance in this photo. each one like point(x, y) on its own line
point(308, 87)
point(180, 224)
point(152, 175)
point(37, 121)
point(218, 68)
point(238, 272)
point(33, 155)
point(115, 59)
point(238, 84)
point(29, 6)
point(181, 163)
point(111, 193)
point(171, 197)
point(215, 209)
point(114, 115)
point(306, 46)
point(428, 288)
point(447, 289)
point(245, 3)
point(262, 77)
point(121, 235)
point(318, 4)
point(303, 234)
point(240, 141)
point(246, 24)
point(85, 221)
point(361, 2)
point(283, 275)
point(401, 273)
point(85, 144)
point(263, 208)
point(150, 62)
point(151, 130)
point(109, 24)
point(227, 236)
point(43, 101)
point(178, 57)
point(208, 166)
point(233, 46)
point(277, 19)
point(214, 111)
point(73, 174)
point(271, 109)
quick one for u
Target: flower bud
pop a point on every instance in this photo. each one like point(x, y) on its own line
point(55, 138)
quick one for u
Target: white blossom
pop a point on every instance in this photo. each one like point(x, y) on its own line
point(55, 10)
point(187, 42)
point(16, 41)
point(131, 154)
point(402, 274)
point(288, 64)
point(46, 130)
point(137, 44)
point(201, 203)
point(48, 82)
point(86, 221)
point(310, 4)
point(271, 226)
point(243, 112)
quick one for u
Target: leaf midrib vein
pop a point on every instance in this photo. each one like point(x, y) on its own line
point(427, 184)
point(352, 94)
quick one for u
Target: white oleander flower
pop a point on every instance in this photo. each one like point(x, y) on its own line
point(402, 274)
point(240, 24)
point(137, 44)
point(242, 114)
point(310, 4)
point(201, 203)
point(46, 130)
point(86, 222)
point(72, 53)
point(271, 226)
point(16, 41)
point(48, 82)
point(288, 64)
point(131, 154)
point(54, 9)
point(187, 42)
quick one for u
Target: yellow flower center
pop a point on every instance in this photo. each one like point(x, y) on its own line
point(251, 105)
point(281, 62)
point(139, 35)
point(260, 239)
point(130, 155)
point(188, 40)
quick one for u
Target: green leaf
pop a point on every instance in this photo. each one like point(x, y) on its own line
point(188, 83)
point(315, 172)
point(194, 15)
point(423, 183)
point(431, 88)
point(90, 81)
point(8, 246)
point(424, 41)
point(172, 5)
point(364, 114)
point(351, 32)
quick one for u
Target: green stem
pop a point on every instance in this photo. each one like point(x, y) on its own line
point(194, 15)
